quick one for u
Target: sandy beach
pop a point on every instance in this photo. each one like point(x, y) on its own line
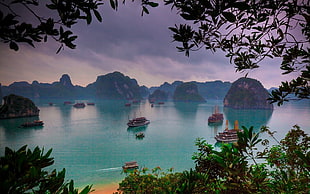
point(105, 189)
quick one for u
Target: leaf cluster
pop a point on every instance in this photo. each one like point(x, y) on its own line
point(249, 32)
point(236, 168)
point(22, 171)
point(15, 29)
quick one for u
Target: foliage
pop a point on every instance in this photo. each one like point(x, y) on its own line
point(22, 171)
point(142, 181)
point(236, 168)
point(61, 16)
point(249, 32)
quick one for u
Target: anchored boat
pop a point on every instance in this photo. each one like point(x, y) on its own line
point(130, 165)
point(137, 122)
point(33, 124)
point(79, 105)
point(229, 135)
point(216, 117)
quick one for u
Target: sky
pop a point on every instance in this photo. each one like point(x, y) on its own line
point(139, 47)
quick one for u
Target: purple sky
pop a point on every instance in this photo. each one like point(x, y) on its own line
point(140, 47)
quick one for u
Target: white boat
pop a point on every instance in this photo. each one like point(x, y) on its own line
point(130, 165)
point(137, 122)
point(79, 105)
point(229, 135)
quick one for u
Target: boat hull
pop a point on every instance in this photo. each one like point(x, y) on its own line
point(138, 124)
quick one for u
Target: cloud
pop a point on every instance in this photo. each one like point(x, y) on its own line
point(140, 47)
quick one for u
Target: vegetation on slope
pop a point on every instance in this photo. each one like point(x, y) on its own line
point(235, 168)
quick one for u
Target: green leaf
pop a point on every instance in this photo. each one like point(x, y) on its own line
point(152, 4)
point(112, 3)
point(98, 16)
point(229, 16)
point(88, 17)
point(13, 46)
point(51, 6)
point(145, 10)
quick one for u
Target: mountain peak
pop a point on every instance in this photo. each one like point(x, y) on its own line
point(65, 80)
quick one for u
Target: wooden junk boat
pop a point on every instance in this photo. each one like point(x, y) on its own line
point(79, 105)
point(138, 122)
point(216, 117)
point(229, 135)
point(130, 165)
point(35, 123)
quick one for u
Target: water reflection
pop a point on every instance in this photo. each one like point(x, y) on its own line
point(248, 118)
point(186, 109)
point(11, 130)
point(136, 129)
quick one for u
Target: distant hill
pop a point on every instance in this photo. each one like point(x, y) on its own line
point(158, 95)
point(213, 89)
point(61, 89)
point(247, 93)
point(117, 86)
point(187, 92)
point(0, 94)
point(110, 86)
point(167, 88)
point(208, 90)
point(17, 106)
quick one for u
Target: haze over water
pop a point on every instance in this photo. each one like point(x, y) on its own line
point(92, 143)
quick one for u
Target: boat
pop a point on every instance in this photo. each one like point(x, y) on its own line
point(229, 135)
point(137, 122)
point(90, 103)
point(216, 117)
point(160, 103)
point(140, 135)
point(67, 102)
point(136, 101)
point(33, 124)
point(128, 104)
point(79, 105)
point(130, 165)
point(50, 103)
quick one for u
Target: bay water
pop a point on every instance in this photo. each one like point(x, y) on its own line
point(93, 143)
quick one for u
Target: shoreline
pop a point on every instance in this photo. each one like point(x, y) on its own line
point(105, 188)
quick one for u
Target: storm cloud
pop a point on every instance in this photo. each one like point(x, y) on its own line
point(140, 47)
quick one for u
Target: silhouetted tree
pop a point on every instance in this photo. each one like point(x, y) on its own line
point(23, 171)
point(61, 16)
point(248, 32)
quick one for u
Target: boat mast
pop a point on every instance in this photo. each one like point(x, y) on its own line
point(226, 127)
point(236, 125)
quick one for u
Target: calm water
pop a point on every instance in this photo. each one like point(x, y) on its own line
point(93, 143)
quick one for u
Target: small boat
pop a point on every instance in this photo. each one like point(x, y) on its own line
point(136, 101)
point(128, 104)
point(67, 102)
point(161, 103)
point(137, 122)
point(229, 135)
point(140, 135)
point(216, 117)
point(50, 103)
point(130, 165)
point(33, 124)
point(90, 103)
point(79, 105)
